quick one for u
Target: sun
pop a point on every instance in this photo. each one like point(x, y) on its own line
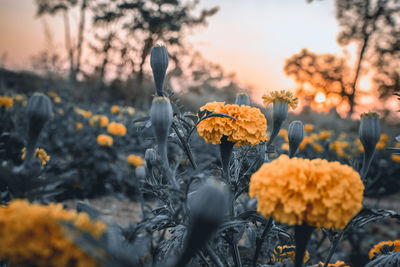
point(320, 97)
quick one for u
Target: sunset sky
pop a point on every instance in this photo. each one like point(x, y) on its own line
point(249, 37)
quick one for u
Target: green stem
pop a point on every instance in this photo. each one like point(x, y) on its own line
point(302, 234)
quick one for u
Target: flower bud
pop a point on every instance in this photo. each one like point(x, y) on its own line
point(161, 117)
point(279, 114)
point(159, 65)
point(369, 133)
point(295, 136)
point(207, 210)
point(242, 99)
point(38, 112)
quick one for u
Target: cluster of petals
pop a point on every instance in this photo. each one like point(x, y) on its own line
point(117, 129)
point(384, 246)
point(282, 96)
point(104, 140)
point(6, 102)
point(336, 264)
point(248, 128)
point(40, 153)
point(283, 253)
point(316, 192)
point(134, 160)
point(31, 235)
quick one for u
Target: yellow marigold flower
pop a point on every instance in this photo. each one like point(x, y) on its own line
point(79, 126)
point(307, 140)
point(134, 160)
point(385, 246)
point(117, 129)
point(308, 127)
point(54, 96)
point(283, 133)
point(104, 140)
point(40, 153)
point(380, 145)
point(248, 129)
point(6, 102)
point(285, 147)
point(19, 97)
point(384, 138)
point(130, 110)
point(281, 96)
point(31, 235)
point(103, 121)
point(396, 158)
point(115, 109)
point(324, 135)
point(83, 112)
point(336, 264)
point(317, 147)
point(283, 253)
point(317, 192)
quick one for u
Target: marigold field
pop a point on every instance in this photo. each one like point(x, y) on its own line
point(233, 184)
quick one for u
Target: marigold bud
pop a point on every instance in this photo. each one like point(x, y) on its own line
point(207, 209)
point(369, 133)
point(242, 99)
point(295, 136)
point(279, 115)
point(161, 117)
point(159, 65)
point(38, 112)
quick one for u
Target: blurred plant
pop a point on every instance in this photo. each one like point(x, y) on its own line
point(369, 133)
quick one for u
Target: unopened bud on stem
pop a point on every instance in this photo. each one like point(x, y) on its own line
point(161, 117)
point(242, 99)
point(279, 115)
point(369, 133)
point(159, 65)
point(38, 112)
point(295, 136)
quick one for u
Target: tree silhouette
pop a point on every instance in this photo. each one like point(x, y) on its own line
point(375, 28)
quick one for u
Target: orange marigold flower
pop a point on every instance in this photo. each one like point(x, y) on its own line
point(79, 126)
point(115, 109)
point(336, 264)
point(38, 239)
point(6, 102)
point(317, 147)
point(104, 140)
point(324, 135)
point(380, 145)
point(134, 160)
point(98, 120)
point(283, 133)
point(281, 96)
point(40, 153)
point(54, 96)
point(308, 127)
point(283, 253)
point(117, 129)
point(385, 246)
point(307, 140)
point(384, 137)
point(83, 112)
point(248, 129)
point(285, 146)
point(396, 158)
point(317, 192)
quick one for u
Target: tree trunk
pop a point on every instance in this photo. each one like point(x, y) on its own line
point(68, 47)
point(80, 37)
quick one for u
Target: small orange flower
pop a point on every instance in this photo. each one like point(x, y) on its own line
point(380, 145)
point(248, 129)
point(390, 246)
point(6, 102)
point(115, 109)
point(283, 96)
point(283, 253)
point(336, 264)
point(324, 135)
point(316, 192)
point(308, 127)
point(104, 140)
point(134, 160)
point(317, 147)
point(79, 126)
point(117, 129)
point(40, 153)
point(396, 158)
